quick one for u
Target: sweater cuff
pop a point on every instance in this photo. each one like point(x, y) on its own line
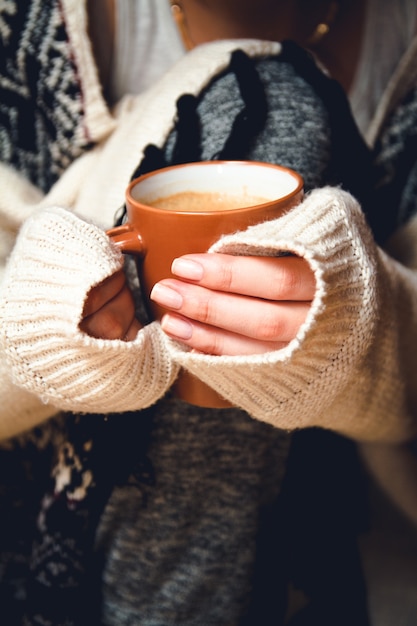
point(56, 260)
point(291, 387)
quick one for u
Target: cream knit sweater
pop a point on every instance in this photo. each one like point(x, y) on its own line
point(349, 369)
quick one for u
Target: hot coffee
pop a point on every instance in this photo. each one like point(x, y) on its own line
point(197, 202)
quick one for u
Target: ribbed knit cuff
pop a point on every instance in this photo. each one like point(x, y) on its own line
point(292, 387)
point(56, 260)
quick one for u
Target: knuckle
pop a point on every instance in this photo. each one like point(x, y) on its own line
point(111, 326)
point(285, 282)
point(212, 343)
point(273, 328)
point(205, 311)
point(225, 276)
point(92, 300)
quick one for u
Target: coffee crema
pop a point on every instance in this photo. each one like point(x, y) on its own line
point(204, 202)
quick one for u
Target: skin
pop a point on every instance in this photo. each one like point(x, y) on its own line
point(273, 296)
point(109, 311)
point(220, 304)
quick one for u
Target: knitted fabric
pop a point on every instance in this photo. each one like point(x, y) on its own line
point(55, 484)
point(65, 256)
point(332, 238)
point(346, 332)
point(396, 167)
point(266, 109)
point(45, 119)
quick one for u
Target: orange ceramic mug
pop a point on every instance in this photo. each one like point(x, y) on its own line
point(185, 209)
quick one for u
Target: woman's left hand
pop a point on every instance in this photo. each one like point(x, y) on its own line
point(235, 305)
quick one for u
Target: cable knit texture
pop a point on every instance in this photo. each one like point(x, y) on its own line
point(56, 260)
point(291, 387)
point(338, 371)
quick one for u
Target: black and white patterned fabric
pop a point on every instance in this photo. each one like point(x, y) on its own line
point(41, 106)
point(395, 161)
point(55, 482)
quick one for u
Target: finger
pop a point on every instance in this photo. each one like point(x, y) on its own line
point(115, 320)
point(133, 330)
point(216, 342)
point(262, 320)
point(102, 293)
point(273, 278)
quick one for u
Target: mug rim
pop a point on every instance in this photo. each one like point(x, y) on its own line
point(245, 163)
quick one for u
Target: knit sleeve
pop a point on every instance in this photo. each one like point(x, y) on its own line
point(56, 260)
point(345, 368)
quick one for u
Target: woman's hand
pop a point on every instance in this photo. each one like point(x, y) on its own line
point(109, 310)
point(235, 305)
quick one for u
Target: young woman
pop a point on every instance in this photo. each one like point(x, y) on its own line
point(173, 514)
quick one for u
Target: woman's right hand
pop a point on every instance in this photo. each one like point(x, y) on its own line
point(231, 305)
point(109, 310)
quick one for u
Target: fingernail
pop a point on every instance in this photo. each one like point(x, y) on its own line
point(185, 268)
point(179, 328)
point(166, 297)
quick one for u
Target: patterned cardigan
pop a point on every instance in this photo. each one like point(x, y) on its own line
point(52, 115)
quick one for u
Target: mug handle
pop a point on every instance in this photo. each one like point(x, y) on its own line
point(127, 238)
